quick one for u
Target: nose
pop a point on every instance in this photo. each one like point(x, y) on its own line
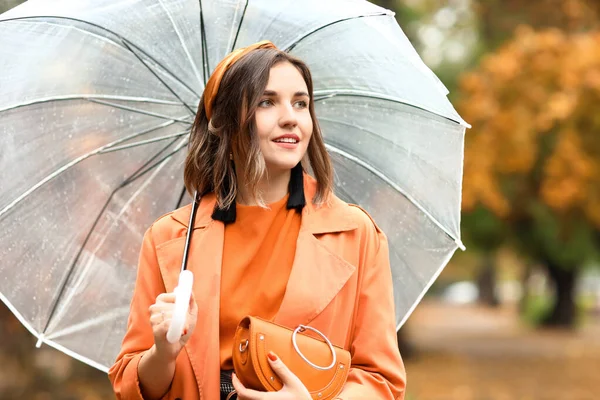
point(287, 117)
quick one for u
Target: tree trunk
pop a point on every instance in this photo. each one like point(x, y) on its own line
point(527, 272)
point(406, 348)
point(563, 311)
point(486, 282)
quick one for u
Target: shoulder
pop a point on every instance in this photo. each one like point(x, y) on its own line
point(361, 239)
point(363, 218)
point(168, 227)
point(361, 225)
point(173, 224)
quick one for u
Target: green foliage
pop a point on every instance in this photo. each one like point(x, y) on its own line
point(484, 230)
point(568, 241)
point(535, 309)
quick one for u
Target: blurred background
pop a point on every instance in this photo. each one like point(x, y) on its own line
point(516, 316)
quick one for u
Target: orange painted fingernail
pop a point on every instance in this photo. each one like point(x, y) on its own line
point(272, 356)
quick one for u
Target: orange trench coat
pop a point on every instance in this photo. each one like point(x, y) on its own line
point(340, 284)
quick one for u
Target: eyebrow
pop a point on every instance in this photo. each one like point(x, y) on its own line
point(274, 93)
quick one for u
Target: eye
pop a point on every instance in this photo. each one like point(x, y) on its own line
point(301, 104)
point(265, 103)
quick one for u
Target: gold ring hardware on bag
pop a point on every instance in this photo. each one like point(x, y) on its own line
point(244, 346)
point(302, 328)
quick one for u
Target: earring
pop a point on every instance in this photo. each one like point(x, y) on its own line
point(231, 156)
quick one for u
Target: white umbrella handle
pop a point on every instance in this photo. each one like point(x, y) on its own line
point(183, 292)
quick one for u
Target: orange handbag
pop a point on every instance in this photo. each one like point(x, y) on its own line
point(321, 366)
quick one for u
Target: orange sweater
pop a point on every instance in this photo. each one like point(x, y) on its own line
point(258, 254)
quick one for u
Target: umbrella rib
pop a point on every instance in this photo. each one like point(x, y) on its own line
point(185, 49)
point(321, 95)
point(181, 197)
point(159, 78)
point(387, 180)
point(77, 161)
point(356, 126)
point(393, 249)
point(141, 172)
point(106, 317)
point(144, 142)
point(124, 44)
point(66, 277)
point(296, 41)
point(371, 133)
point(237, 33)
point(89, 98)
point(140, 111)
point(426, 288)
point(205, 64)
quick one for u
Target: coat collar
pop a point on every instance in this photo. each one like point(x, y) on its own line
point(334, 216)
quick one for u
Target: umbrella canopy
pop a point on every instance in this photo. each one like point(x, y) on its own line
point(97, 103)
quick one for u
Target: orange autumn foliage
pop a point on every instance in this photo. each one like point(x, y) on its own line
point(534, 106)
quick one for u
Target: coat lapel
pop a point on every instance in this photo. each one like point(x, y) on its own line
point(317, 276)
point(318, 273)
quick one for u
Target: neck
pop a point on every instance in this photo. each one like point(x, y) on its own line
point(273, 187)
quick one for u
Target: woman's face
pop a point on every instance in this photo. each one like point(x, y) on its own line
point(283, 120)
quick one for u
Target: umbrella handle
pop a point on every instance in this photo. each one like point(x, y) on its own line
point(183, 292)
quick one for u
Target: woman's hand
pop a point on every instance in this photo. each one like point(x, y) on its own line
point(161, 314)
point(293, 388)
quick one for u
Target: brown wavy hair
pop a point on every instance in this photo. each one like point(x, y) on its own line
point(232, 131)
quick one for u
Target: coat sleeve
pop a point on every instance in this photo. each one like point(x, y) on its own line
point(138, 338)
point(377, 370)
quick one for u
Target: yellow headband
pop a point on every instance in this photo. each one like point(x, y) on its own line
point(212, 86)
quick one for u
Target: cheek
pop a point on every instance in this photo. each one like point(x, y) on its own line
point(307, 128)
point(263, 125)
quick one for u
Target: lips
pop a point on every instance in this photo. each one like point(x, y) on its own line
point(288, 138)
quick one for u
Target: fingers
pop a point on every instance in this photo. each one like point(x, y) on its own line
point(158, 317)
point(166, 298)
point(193, 307)
point(164, 302)
point(292, 386)
point(161, 309)
point(161, 314)
point(282, 371)
point(243, 393)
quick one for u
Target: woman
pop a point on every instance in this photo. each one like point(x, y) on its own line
point(268, 240)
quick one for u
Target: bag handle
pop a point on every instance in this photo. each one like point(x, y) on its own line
point(190, 230)
point(302, 328)
point(183, 291)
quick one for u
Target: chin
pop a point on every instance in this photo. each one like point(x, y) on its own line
point(281, 165)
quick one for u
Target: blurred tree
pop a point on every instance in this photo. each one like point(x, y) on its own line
point(498, 19)
point(532, 159)
point(444, 33)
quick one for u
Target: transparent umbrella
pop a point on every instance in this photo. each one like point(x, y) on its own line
point(97, 102)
